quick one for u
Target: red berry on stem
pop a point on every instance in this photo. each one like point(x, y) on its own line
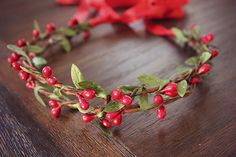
point(158, 99)
point(50, 27)
point(15, 56)
point(72, 22)
point(10, 60)
point(171, 94)
point(84, 105)
point(206, 39)
point(111, 115)
point(47, 71)
point(53, 103)
point(88, 117)
point(161, 113)
point(106, 123)
point(116, 94)
point(170, 89)
point(117, 120)
point(21, 43)
point(205, 68)
point(194, 80)
point(126, 100)
point(55, 112)
point(52, 80)
point(30, 84)
point(88, 94)
point(214, 53)
point(23, 75)
point(16, 66)
point(31, 55)
point(35, 33)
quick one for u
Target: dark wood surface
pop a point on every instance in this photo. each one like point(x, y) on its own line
point(203, 124)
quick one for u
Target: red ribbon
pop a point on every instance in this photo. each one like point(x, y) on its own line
point(137, 9)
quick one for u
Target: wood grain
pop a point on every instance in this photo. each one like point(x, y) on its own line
point(203, 124)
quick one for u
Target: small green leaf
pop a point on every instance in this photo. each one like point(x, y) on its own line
point(39, 61)
point(36, 25)
point(34, 48)
point(19, 51)
point(143, 101)
point(100, 92)
point(57, 94)
point(183, 69)
point(67, 31)
point(150, 80)
point(179, 35)
point(64, 42)
point(204, 57)
point(127, 88)
point(76, 75)
point(182, 88)
point(84, 26)
point(196, 32)
point(37, 96)
point(113, 106)
point(191, 61)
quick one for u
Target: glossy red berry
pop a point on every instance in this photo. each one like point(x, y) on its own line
point(15, 56)
point(47, 71)
point(116, 94)
point(158, 99)
point(72, 22)
point(106, 123)
point(16, 66)
point(194, 80)
point(117, 120)
point(50, 27)
point(23, 75)
point(111, 115)
point(205, 68)
point(55, 112)
point(86, 118)
point(171, 94)
point(35, 33)
point(126, 100)
point(170, 89)
point(161, 113)
point(53, 103)
point(21, 43)
point(206, 39)
point(30, 84)
point(52, 80)
point(84, 105)
point(31, 55)
point(88, 94)
point(214, 53)
point(10, 60)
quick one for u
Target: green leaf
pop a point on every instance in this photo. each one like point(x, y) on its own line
point(113, 106)
point(39, 61)
point(127, 88)
point(36, 25)
point(37, 96)
point(19, 51)
point(100, 92)
point(196, 32)
point(204, 57)
point(76, 75)
point(182, 87)
point(84, 26)
point(64, 42)
point(150, 80)
point(179, 35)
point(67, 31)
point(183, 69)
point(191, 61)
point(143, 101)
point(34, 48)
point(57, 94)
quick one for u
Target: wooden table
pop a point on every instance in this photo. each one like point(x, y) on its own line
point(203, 124)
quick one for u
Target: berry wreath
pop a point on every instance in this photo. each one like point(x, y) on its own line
point(26, 59)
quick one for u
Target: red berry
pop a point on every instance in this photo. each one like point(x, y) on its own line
point(126, 100)
point(15, 56)
point(55, 112)
point(53, 104)
point(158, 99)
point(86, 35)
point(35, 33)
point(21, 43)
point(106, 123)
point(52, 80)
point(116, 94)
point(23, 75)
point(30, 84)
point(84, 105)
point(10, 60)
point(205, 68)
point(170, 89)
point(117, 120)
point(194, 80)
point(214, 53)
point(72, 22)
point(16, 66)
point(161, 113)
point(171, 94)
point(47, 71)
point(50, 27)
point(88, 117)
point(206, 39)
point(111, 115)
point(88, 94)
point(31, 55)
